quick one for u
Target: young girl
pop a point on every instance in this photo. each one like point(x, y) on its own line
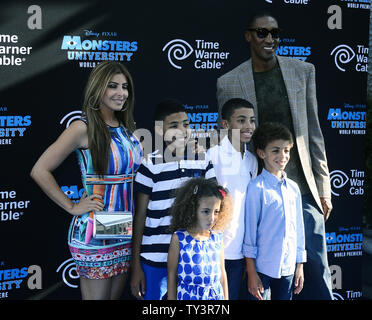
point(196, 269)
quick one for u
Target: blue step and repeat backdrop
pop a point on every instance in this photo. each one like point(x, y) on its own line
point(172, 49)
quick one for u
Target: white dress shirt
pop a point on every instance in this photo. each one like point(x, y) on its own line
point(234, 173)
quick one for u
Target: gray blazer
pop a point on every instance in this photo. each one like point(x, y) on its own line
point(299, 79)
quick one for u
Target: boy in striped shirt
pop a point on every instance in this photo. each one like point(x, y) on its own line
point(159, 175)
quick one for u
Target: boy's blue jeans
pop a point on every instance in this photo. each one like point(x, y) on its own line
point(277, 289)
point(234, 271)
point(156, 282)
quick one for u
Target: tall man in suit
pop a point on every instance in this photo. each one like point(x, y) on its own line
point(283, 89)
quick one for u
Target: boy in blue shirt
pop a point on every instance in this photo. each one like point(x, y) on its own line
point(274, 240)
point(160, 173)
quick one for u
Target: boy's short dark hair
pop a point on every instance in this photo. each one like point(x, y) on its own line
point(166, 108)
point(231, 105)
point(268, 132)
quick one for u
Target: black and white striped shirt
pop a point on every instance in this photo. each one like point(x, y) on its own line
point(159, 180)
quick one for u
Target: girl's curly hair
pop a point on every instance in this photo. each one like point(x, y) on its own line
point(183, 210)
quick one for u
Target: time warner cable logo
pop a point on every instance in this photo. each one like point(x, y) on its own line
point(344, 54)
point(70, 117)
point(354, 181)
point(178, 49)
point(207, 54)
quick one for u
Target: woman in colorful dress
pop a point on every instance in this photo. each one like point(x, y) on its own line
point(109, 155)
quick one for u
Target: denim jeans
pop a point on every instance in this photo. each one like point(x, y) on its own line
point(234, 271)
point(156, 282)
point(317, 276)
point(277, 289)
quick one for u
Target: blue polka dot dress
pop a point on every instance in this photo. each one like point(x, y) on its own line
point(199, 267)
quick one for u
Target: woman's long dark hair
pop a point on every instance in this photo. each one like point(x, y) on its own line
point(99, 138)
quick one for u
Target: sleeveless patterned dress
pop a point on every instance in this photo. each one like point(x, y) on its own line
point(199, 267)
point(98, 258)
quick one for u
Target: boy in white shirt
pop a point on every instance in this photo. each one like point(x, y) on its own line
point(235, 166)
